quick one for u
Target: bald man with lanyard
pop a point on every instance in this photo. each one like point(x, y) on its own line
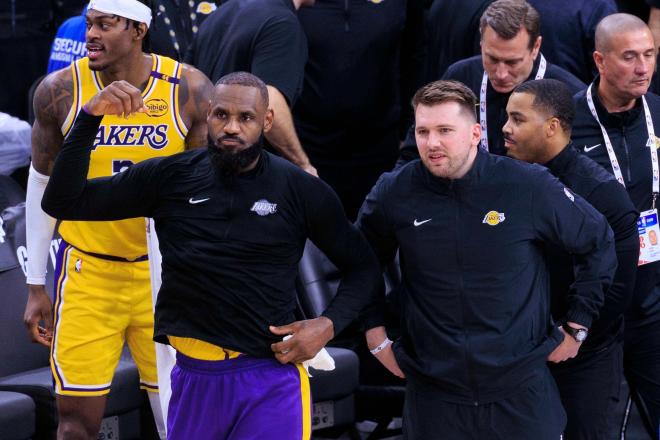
point(616, 125)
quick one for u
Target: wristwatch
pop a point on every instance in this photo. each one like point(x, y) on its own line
point(579, 334)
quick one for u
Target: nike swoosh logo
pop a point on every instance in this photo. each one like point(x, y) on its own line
point(416, 223)
point(588, 149)
point(192, 201)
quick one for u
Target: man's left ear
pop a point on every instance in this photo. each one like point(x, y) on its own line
point(268, 120)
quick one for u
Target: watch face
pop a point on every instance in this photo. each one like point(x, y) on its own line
point(580, 335)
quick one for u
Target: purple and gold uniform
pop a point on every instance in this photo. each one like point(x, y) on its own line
point(230, 256)
point(208, 380)
point(103, 293)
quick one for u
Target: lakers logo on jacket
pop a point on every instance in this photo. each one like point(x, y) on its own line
point(494, 218)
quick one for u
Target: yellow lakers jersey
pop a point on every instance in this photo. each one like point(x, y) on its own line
point(121, 143)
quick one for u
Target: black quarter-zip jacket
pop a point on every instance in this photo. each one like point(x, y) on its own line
point(628, 134)
point(598, 187)
point(475, 298)
point(230, 250)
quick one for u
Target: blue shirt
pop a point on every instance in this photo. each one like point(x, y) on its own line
point(69, 43)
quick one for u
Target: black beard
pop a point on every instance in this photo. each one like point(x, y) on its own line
point(230, 164)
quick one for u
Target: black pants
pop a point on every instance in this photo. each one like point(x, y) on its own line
point(590, 387)
point(535, 413)
point(642, 370)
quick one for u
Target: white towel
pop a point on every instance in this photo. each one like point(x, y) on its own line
point(322, 361)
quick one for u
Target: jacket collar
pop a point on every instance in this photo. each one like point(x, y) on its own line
point(560, 163)
point(618, 119)
point(472, 177)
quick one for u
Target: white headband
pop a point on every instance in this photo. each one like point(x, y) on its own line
point(131, 9)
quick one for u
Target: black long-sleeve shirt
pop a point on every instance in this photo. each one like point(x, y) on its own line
point(365, 63)
point(598, 187)
point(475, 298)
point(262, 37)
point(230, 251)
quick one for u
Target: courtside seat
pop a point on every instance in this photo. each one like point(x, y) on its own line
point(25, 366)
point(379, 395)
point(335, 389)
point(38, 384)
point(17, 416)
point(325, 385)
point(10, 192)
point(332, 391)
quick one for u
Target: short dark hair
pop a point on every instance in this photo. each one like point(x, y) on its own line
point(615, 24)
point(508, 17)
point(552, 97)
point(439, 92)
point(245, 79)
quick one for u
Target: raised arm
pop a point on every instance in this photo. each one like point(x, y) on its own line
point(132, 193)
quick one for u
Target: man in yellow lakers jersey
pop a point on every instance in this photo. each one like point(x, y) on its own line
point(102, 290)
